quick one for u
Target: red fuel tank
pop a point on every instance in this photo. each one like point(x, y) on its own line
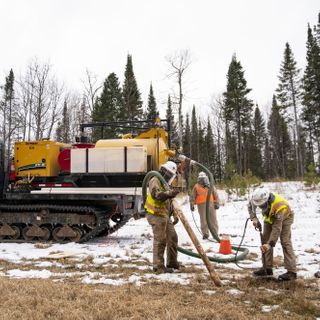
point(64, 160)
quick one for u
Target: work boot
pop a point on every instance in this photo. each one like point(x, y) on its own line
point(288, 276)
point(263, 272)
point(162, 270)
point(205, 236)
point(176, 266)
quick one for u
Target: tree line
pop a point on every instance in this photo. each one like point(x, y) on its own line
point(234, 138)
point(240, 140)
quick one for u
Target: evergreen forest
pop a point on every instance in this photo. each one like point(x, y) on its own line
point(236, 137)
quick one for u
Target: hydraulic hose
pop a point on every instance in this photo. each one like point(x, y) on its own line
point(190, 253)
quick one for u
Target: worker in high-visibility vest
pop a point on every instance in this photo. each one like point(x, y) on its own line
point(199, 197)
point(278, 218)
point(158, 206)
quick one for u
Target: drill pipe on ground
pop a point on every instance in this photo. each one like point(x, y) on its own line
point(213, 274)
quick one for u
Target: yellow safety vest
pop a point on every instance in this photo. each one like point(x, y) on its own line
point(156, 207)
point(277, 205)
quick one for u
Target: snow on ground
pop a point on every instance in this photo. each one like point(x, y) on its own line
point(267, 308)
point(131, 246)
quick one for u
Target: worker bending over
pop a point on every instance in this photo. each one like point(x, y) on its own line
point(199, 197)
point(278, 218)
point(159, 210)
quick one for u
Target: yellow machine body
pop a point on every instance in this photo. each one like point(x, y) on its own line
point(37, 158)
point(154, 140)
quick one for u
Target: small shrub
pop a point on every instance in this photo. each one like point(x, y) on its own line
point(311, 178)
point(241, 185)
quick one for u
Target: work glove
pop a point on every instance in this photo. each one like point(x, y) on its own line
point(175, 217)
point(171, 193)
point(174, 192)
point(250, 209)
point(175, 220)
point(256, 223)
point(216, 206)
point(191, 207)
point(265, 247)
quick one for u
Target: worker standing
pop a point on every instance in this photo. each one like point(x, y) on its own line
point(278, 218)
point(199, 197)
point(158, 207)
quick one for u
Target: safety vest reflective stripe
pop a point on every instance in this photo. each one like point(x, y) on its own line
point(154, 209)
point(277, 205)
point(153, 206)
point(202, 194)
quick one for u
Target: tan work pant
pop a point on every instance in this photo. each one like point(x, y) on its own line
point(164, 236)
point(286, 243)
point(212, 219)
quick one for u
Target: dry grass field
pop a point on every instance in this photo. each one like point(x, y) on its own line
point(245, 298)
point(112, 278)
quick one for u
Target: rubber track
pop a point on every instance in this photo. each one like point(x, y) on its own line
point(102, 218)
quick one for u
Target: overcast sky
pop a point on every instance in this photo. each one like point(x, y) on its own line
point(78, 34)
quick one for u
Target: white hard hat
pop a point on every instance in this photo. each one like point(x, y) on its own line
point(170, 166)
point(202, 175)
point(260, 196)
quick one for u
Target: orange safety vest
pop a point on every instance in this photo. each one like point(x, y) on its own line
point(202, 194)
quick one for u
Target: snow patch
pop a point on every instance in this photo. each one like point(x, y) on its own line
point(235, 292)
point(267, 308)
point(132, 243)
point(40, 274)
point(209, 292)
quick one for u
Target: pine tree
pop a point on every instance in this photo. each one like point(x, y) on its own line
point(267, 170)
point(64, 128)
point(107, 107)
point(258, 144)
point(279, 143)
point(211, 160)
point(317, 30)
point(317, 71)
point(311, 96)
point(194, 154)
point(174, 138)
point(187, 138)
point(201, 150)
point(132, 103)
point(237, 113)
point(152, 111)
point(288, 94)
point(8, 114)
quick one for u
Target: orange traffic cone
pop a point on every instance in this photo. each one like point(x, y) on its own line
point(225, 244)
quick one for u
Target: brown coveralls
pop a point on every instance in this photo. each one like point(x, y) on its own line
point(164, 234)
point(202, 211)
point(281, 227)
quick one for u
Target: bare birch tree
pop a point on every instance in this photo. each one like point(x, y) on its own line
point(26, 88)
point(179, 63)
point(40, 98)
point(218, 128)
point(56, 105)
point(91, 89)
